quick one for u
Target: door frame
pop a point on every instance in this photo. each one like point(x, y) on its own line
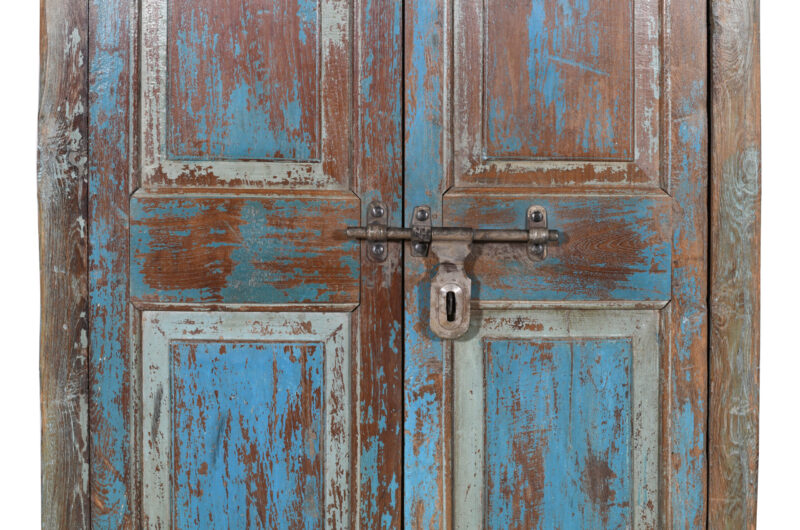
point(734, 153)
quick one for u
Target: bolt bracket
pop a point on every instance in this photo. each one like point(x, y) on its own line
point(377, 221)
point(421, 231)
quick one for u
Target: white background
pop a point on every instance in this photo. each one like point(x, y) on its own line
point(19, 277)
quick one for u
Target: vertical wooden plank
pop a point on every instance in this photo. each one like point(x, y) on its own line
point(378, 335)
point(63, 253)
point(426, 442)
point(684, 396)
point(735, 263)
point(109, 90)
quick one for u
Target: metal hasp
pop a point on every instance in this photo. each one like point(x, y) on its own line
point(450, 287)
point(422, 234)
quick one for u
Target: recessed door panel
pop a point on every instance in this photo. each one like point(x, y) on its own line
point(247, 419)
point(556, 420)
point(557, 93)
point(244, 80)
point(246, 94)
point(559, 80)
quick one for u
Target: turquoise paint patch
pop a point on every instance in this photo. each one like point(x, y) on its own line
point(558, 431)
point(252, 111)
point(108, 286)
point(248, 431)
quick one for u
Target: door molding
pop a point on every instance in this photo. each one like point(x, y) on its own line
point(734, 151)
point(734, 262)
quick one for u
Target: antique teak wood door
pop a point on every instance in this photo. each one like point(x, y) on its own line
point(251, 367)
point(577, 399)
point(245, 360)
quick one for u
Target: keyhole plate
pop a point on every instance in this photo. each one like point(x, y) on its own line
point(450, 296)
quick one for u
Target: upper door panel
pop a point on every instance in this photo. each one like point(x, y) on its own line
point(246, 93)
point(555, 93)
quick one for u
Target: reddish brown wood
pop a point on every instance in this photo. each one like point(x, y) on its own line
point(623, 254)
point(243, 249)
point(685, 367)
point(62, 181)
point(378, 333)
point(243, 80)
point(735, 263)
point(593, 119)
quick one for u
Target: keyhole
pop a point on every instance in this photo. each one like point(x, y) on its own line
point(450, 305)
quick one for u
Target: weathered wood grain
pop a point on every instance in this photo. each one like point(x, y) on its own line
point(377, 323)
point(556, 93)
point(243, 85)
point(63, 254)
point(247, 94)
point(248, 420)
point(685, 366)
point(110, 70)
point(735, 263)
point(243, 249)
point(427, 419)
point(613, 247)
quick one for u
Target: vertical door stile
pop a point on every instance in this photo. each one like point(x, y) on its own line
point(685, 400)
point(378, 336)
point(110, 68)
point(427, 420)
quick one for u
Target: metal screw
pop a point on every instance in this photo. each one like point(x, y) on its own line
point(423, 214)
point(537, 248)
point(420, 248)
point(377, 210)
point(378, 249)
point(537, 216)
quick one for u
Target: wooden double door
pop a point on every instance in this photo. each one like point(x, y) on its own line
point(252, 367)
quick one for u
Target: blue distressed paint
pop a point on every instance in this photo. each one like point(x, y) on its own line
point(423, 184)
point(248, 431)
point(687, 442)
point(108, 287)
point(266, 262)
point(558, 433)
point(259, 106)
point(544, 116)
point(646, 278)
point(424, 120)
